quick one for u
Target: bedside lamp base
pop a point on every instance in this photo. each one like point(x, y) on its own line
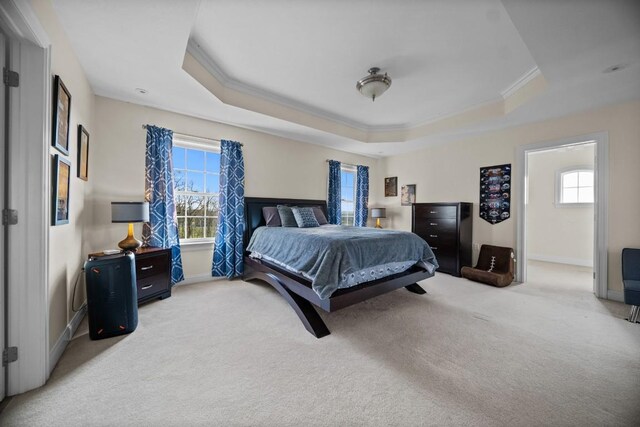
point(130, 243)
point(378, 223)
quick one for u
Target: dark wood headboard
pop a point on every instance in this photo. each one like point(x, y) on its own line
point(253, 211)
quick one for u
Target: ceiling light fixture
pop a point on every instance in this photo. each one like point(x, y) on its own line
point(373, 85)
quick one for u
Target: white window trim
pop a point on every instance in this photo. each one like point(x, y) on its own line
point(558, 182)
point(353, 169)
point(198, 143)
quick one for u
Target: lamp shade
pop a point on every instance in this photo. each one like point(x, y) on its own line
point(378, 213)
point(129, 212)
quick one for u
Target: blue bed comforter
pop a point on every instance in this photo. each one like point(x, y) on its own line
point(334, 257)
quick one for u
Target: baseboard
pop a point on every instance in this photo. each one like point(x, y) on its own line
point(615, 295)
point(197, 279)
point(65, 337)
point(561, 260)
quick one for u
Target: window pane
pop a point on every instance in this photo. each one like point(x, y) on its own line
point(195, 228)
point(585, 179)
point(213, 162)
point(212, 206)
point(181, 228)
point(213, 183)
point(347, 207)
point(195, 182)
point(212, 223)
point(195, 160)
point(180, 205)
point(570, 195)
point(178, 157)
point(178, 180)
point(347, 193)
point(570, 179)
point(585, 194)
point(195, 205)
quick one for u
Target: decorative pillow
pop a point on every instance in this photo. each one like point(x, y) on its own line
point(271, 216)
point(322, 220)
point(286, 216)
point(305, 217)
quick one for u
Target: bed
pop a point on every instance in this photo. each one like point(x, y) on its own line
point(304, 290)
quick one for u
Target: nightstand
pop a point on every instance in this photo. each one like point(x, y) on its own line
point(153, 273)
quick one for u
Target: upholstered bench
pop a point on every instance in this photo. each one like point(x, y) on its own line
point(496, 265)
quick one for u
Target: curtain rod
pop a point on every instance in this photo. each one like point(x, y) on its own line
point(343, 163)
point(193, 136)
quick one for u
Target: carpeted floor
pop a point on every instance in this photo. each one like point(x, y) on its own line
point(234, 353)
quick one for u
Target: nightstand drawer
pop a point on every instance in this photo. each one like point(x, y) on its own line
point(152, 285)
point(148, 266)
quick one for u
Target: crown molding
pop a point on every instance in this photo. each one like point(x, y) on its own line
point(232, 92)
point(521, 82)
point(194, 48)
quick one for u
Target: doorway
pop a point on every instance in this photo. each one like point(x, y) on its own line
point(560, 218)
point(575, 246)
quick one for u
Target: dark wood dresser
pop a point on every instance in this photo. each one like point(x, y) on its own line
point(447, 227)
point(153, 273)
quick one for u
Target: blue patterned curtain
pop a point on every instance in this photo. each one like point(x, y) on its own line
point(334, 209)
point(162, 228)
point(227, 255)
point(362, 196)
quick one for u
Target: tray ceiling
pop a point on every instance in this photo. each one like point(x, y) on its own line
point(290, 68)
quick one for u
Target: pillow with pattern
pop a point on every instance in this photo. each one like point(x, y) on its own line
point(322, 220)
point(305, 217)
point(286, 216)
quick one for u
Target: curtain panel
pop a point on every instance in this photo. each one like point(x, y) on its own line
point(334, 209)
point(228, 252)
point(362, 196)
point(162, 228)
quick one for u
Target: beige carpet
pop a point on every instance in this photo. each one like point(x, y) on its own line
point(233, 353)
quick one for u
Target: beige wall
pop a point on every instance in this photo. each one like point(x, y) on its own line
point(67, 243)
point(558, 233)
point(450, 173)
point(275, 167)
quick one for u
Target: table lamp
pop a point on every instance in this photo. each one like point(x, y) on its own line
point(378, 213)
point(130, 212)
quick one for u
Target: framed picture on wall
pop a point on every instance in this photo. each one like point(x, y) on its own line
point(61, 116)
point(391, 186)
point(83, 153)
point(408, 195)
point(60, 190)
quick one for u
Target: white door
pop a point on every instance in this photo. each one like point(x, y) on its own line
point(3, 271)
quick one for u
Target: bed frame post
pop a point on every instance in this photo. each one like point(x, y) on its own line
point(303, 308)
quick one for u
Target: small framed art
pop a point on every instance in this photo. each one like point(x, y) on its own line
point(61, 116)
point(391, 186)
point(60, 190)
point(83, 153)
point(408, 195)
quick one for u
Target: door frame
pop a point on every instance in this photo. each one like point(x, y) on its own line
point(601, 204)
point(30, 181)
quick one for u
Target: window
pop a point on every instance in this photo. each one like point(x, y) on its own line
point(348, 194)
point(575, 186)
point(196, 168)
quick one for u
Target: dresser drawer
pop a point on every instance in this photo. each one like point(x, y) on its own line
point(437, 226)
point(436, 211)
point(439, 239)
point(148, 266)
point(152, 285)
